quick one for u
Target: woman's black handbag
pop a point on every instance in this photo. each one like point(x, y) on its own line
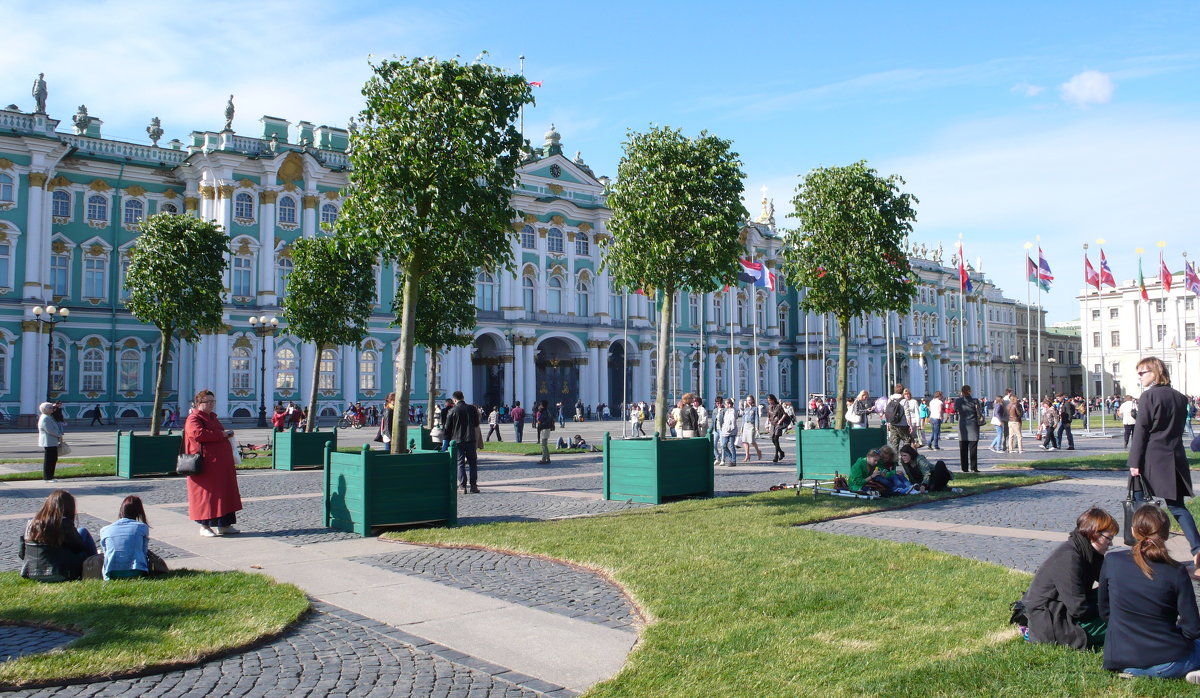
point(187, 463)
point(1131, 505)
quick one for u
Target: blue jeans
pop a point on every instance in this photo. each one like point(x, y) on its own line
point(1187, 524)
point(520, 429)
point(897, 483)
point(1064, 428)
point(1171, 670)
point(725, 448)
point(935, 439)
point(998, 442)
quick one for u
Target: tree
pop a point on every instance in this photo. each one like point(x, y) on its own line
point(848, 253)
point(677, 215)
point(433, 162)
point(330, 293)
point(175, 283)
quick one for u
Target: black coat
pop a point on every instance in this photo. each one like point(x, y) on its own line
point(1156, 446)
point(968, 411)
point(462, 421)
point(1150, 621)
point(1061, 595)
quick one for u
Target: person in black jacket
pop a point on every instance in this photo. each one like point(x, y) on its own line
point(1066, 413)
point(53, 548)
point(462, 423)
point(1150, 606)
point(969, 413)
point(544, 421)
point(1061, 605)
point(1156, 448)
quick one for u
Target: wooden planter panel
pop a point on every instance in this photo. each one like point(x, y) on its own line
point(820, 453)
point(146, 455)
point(653, 470)
point(296, 449)
point(374, 489)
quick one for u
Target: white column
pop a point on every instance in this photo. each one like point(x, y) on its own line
point(37, 240)
point(350, 374)
point(596, 375)
point(710, 378)
point(270, 376)
point(267, 293)
point(916, 374)
point(773, 374)
point(530, 368)
point(308, 220)
point(509, 381)
point(601, 300)
point(221, 364)
point(33, 368)
point(466, 374)
point(506, 283)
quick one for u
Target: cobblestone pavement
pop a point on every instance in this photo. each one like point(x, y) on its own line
point(19, 640)
point(529, 581)
point(331, 652)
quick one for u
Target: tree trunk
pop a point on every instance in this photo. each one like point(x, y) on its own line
point(839, 403)
point(433, 374)
point(408, 321)
point(163, 355)
point(664, 358)
point(311, 423)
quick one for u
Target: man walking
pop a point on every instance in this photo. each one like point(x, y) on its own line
point(97, 416)
point(462, 423)
point(518, 417)
point(1066, 412)
point(545, 425)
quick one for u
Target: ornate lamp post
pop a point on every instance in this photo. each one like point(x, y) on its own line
point(263, 327)
point(50, 316)
point(1052, 361)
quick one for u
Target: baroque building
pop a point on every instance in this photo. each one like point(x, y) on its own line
point(71, 203)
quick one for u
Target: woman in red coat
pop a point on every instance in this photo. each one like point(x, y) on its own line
point(213, 497)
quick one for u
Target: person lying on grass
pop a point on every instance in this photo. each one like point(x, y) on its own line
point(930, 477)
point(1061, 606)
point(53, 549)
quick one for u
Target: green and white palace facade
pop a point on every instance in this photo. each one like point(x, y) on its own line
point(71, 202)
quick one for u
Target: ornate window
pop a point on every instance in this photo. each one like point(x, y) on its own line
point(58, 370)
point(527, 292)
point(97, 208)
point(528, 239)
point(694, 310)
point(243, 276)
point(329, 214)
point(135, 211)
point(169, 376)
point(583, 247)
point(5, 264)
point(676, 367)
point(91, 371)
point(485, 291)
point(243, 208)
point(60, 205)
point(240, 369)
point(554, 240)
point(368, 370)
point(286, 211)
point(285, 369)
point(60, 273)
point(743, 379)
point(283, 269)
point(760, 310)
point(129, 373)
point(327, 368)
point(94, 276)
point(616, 308)
point(583, 298)
point(783, 321)
point(3, 368)
point(741, 311)
point(554, 295)
point(6, 189)
point(171, 209)
point(718, 308)
point(785, 378)
point(719, 375)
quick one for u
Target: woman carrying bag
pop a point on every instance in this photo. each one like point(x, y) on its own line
point(50, 437)
point(213, 496)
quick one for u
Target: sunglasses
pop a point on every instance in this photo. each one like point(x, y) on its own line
point(1142, 373)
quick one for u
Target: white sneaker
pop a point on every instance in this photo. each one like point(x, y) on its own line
point(1193, 677)
point(227, 530)
point(207, 532)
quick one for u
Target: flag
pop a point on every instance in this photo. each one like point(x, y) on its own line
point(1164, 274)
point(1106, 275)
point(750, 272)
point(1142, 282)
point(1031, 270)
point(767, 280)
point(1191, 279)
point(536, 83)
point(964, 279)
point(1090, 277)
point(1045, 277)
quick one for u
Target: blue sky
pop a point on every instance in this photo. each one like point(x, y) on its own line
point(1073, 121)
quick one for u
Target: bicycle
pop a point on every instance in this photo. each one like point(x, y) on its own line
point(351, 421)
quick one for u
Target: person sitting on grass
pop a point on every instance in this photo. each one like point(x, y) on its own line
point(929, 477)
point(125, 543)
point(896, 483)
point(1061, 606)
point(53, 548)
point(866, 477)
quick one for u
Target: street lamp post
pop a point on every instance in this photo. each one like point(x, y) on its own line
point(263, 327)
point(1052, 361)
point(52, 316)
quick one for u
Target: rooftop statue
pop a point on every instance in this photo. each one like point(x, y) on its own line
point(154, 130)
point(81, 120)
point(39, 94)
point(229, 114)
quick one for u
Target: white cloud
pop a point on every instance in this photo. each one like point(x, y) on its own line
point(1087, 88)
point(1026, 90)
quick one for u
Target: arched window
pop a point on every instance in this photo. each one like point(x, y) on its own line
point(285, 369)
point(527, 293)
point(693, 310)
point(286, 211)
point(327, 366)
point(741, 311)
point(239, 369)
point(91, 371)
point(676, 368)
point(283, 269)
point(329, 214)
point(169, 377)
point(123, 273)
point(762, 377)
point(243, 207)
point(97, 208)
point(653, 372)
point(58, 370)
point(583, 299)
point(6, 265)
point(616, 307)
point(170, 209)
point(6, 188)
point(743, 379)
point(135, 211)
point(719, 376)
point(485, 291)
point(783, 322)
point(243, 276)
point(528, 239)
point(129, 374)
point(785, 378)
point(554, 240)
point(368, 370)
point(583, 247)
point(61, 204)
point(554, 295)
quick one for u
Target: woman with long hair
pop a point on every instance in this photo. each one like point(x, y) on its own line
point(1156, 452)
point(126, 542)
point(53, 548)
point(969, 413)
point(1150, 606)
point(213, 496)
point(778, 422)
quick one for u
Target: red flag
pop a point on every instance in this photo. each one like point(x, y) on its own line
point(1106, 275)
point(964, 279)
point(536, 83)
point(1090, 277)
point(1164, 274)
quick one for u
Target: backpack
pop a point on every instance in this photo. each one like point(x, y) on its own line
point(894, 413)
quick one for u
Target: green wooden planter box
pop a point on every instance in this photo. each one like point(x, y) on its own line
point(368, 490)
point(654, 470)
point(146, 455)
point(296, 449)
point(820, 453)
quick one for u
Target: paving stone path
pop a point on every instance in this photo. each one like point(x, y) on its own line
point(19, 640)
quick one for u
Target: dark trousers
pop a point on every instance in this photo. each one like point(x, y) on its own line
point(968, 455)
point(226, 520)
point(49, 462)
point(778, 449)
point(96, 420)
point(1128, 433)
point(1003, 434)
point(520, 429)
point(1049, 441)
point(1064, 429)
point(939, 476)
point(468, 465)
point(494, 429)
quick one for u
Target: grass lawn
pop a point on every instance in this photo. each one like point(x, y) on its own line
point(93, 466)
point(742, 603)
point(132, 625)
point(1111, 461)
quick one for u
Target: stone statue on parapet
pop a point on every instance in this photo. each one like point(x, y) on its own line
point(154, 130)
point(937, 254)
point(81, 120)
point(39, 94)
point(229, 114)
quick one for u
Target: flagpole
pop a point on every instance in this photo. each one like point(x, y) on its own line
point(1162, 293)
point(1100, 302)
point(1085, 322)
point(887, 357)
point(732, 356)
point(625, 369)
point(522, 57)
point(824, 358)
point(1028, 324)
point(754, 341)
point(962, 311)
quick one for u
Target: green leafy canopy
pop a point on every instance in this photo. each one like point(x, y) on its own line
point(330, 292)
